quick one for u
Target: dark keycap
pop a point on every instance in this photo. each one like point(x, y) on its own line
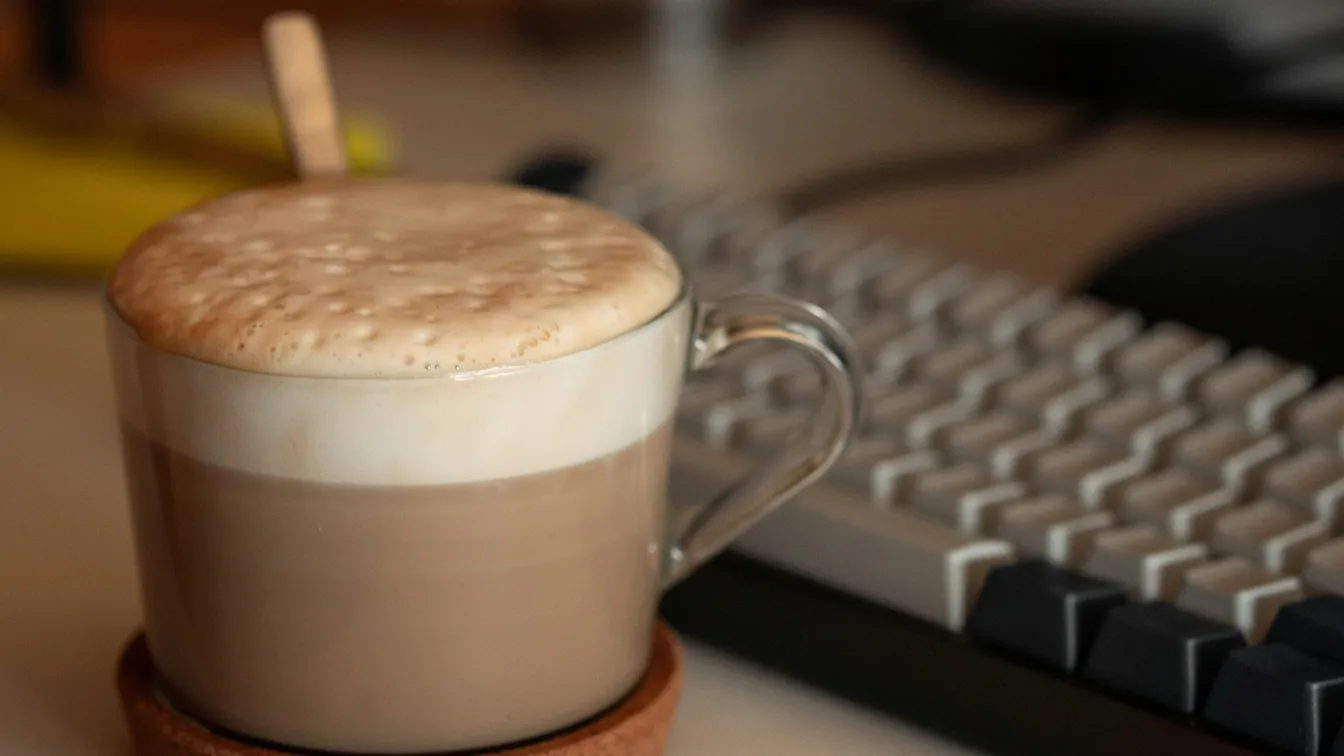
point(558, 171)
point(1279, 696)
point(1314, 625)
point(1045, 612)
point(1161, 654)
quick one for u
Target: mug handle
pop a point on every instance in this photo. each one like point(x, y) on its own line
point(742, 318)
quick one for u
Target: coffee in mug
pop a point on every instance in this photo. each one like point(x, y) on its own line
point(397, 454)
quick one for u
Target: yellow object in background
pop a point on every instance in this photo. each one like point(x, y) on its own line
point(69, 205)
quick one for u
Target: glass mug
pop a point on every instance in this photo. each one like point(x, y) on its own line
point(425, 570)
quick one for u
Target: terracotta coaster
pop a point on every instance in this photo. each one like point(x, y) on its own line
point(638, 726)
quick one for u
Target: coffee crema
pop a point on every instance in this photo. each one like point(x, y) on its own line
point(397, 453)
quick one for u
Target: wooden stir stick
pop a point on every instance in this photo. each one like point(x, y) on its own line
point(301, 87)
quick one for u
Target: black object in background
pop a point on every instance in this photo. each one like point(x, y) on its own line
point(1268, 273)
point(1258, 59)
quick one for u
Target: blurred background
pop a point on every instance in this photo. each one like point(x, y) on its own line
point(1046, 136)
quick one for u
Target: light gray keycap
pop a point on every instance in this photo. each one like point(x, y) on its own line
point(764, 374)
point(1254, 385)
point(1088, 469)
point(964, 496)
point(977, 439)
point(893, 288)
point(1012, 326)
point(932, 297)
point(1168, 358)
point(928, 428)
point(978, 384)
point(1312, 479)
point(1139, 421)
point(894, 358)
point(1147, 561)
point(810, 271)
point(786, 241)
point(891, 479)
point(1319, 417)
point(947, 364)
point(976, 310)
point(894, 408)
point(1239, 593)
point(1225, 449)
point(1053, 527)
point(1017, 458)
point(1084, 332)
point(725, 424)
point(1324, 570)
point(1270, 533)
point(1052, 392)
point(1183, 504)
point(892, 557)
point(855, 468)
point(873, 260)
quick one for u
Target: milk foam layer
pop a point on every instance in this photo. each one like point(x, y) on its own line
point(407, 431)
point(389, 278)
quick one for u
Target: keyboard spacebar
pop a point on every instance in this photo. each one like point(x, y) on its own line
point(892, 557)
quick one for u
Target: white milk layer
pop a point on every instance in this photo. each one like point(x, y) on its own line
point(408, 431)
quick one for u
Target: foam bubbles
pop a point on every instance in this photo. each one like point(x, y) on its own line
point(382, 259)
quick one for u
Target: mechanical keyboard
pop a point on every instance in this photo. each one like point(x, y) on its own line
point(1060, 530)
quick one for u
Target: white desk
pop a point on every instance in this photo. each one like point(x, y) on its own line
point(809, 95)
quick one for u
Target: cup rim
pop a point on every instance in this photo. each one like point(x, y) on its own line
point(128, 332)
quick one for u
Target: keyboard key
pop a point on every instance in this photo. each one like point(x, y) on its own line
point(964, 496)
point(976, 310)
point(1238, 593)
point(977, 439)
point(978, 385)
point(890, 480)
point(1139, 421)
point(1042, 611)
point(1160, 653)
point(893, 360)
point(874, 259)
point(1177, 501)
point(1271, 534)
point(1012, 326)
point(1280, 696)
point(1254, 385)
point(928, 300)
point(893, 288)
point(929, 428)
point(1225, 449)
point(893, 557)
point(724, 424)
point(1319, 417)
point(947, 364)
point(1324, 570)
point(1088, 469)
point(1084, 332)
point(894, 408)
point(1016, 458)
point(1311, 479)
point(1150, 563)
point(1313, 626)
point(1168, 358)
point(1052, 392)
point(1052, 527)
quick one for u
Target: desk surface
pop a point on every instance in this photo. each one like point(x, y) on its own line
point(809, 94)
